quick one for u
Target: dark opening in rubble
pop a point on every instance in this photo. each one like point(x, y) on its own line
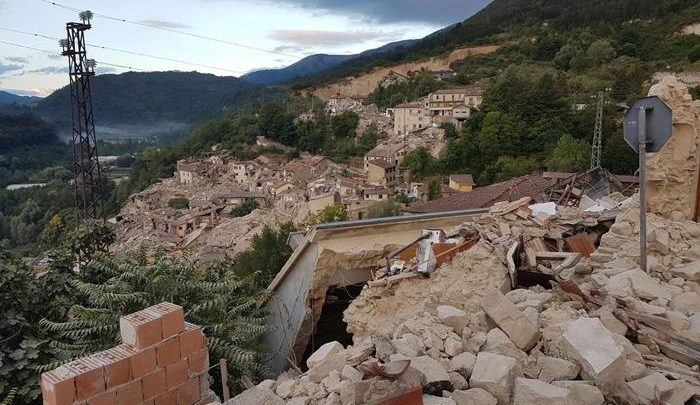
point(331, 326)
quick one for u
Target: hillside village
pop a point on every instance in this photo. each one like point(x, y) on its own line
point(285, 190)
point(453, 220)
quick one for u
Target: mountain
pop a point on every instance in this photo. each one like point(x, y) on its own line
point(315, 64)
point(150, 98)
point(511, 20)
point(10, 98)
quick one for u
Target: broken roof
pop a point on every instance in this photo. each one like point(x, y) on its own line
point(381, 163)
point(385, 150)
point(413, 104)
point(483, 197)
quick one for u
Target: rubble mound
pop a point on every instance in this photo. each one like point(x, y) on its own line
point(602, 331)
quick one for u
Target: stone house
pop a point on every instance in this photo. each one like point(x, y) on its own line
point(443, 102)
point(461, 182)
point(376, 194)
point(410, 117)
point(381, 173)
point(393, 153)
point(319, 202)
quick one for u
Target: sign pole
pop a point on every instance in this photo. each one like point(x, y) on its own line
point(642, 188)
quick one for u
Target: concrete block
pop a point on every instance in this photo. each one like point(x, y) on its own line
point(458, 381)
point(494, 373)
point(552, 368)
point(536, 392)
point(652, 387)
point(322, 352)
point(453, 346)
point(644, 285)
point(690, 271)
point(510, 319)
point(256, 396)
point(335, 361)
point(463, 364)
point(351, 374)
point(592, 345)
point(474, 396)
point(454, 317)
point(285, 388)
point(687, 303)
point(435, 378)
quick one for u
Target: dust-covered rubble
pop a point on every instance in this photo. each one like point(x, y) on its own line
point(601, 331)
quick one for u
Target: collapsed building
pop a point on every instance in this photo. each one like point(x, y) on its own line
point(529, 301)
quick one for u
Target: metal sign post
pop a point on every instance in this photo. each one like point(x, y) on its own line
point(648, 126)
point(642, 188)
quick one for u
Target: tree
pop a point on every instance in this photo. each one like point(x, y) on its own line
point(267, 254)
point(179, 203)
point(383, 209)
point(224, 305)
point(331, 213)
point(506, 168)
point(434, 189)
point(600, 51)
point(570, 155)
point(694, 54)
point(245, 209)
point(344, 125)
point(419, 162)
point(450, 130)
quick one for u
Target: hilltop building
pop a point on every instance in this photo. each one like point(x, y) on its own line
point(410, 117)
point(381, 173)
point(393, 154)
point(455, 102)
point(461, 182)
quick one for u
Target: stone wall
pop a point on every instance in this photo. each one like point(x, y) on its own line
point(163, 360)
point(672, 173)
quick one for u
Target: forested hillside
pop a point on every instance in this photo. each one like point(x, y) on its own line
point(155, 97)
point(511, 20)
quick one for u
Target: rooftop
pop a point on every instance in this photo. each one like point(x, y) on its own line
point(462, 178)
point(483, 197)
point(381, 163)
point(470, 91)
point(412, 104)
point(385, 150)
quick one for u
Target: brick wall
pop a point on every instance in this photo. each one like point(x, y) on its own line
point(163, 361)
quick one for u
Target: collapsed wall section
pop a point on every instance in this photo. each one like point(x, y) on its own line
point(163, 360)
point(672, 173)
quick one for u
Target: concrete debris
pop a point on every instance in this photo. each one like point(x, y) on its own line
point(494, 373)
point(323, 352)
point(510, 319)
point(256, 396)
point(536, 392)
point(474, 396)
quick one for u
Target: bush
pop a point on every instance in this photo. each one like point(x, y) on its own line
point(384, 209)
point(179, 203)
point(245, 209)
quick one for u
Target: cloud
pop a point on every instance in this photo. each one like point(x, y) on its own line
point(8, 68)
point(54, 56)
point(50, 70)
point(288, 49)
point(436, 12)
point(165, 24)
point(29, 92)
point(17, 59)
point(310, 38)
point(103, 70)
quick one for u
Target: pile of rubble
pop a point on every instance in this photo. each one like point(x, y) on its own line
point(583, 325)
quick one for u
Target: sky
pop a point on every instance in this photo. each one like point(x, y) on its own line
point(288, 29)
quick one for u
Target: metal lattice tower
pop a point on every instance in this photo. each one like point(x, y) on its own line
point(88, 177)
point(597, 147)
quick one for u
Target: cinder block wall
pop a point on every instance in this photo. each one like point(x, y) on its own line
point(163, 361)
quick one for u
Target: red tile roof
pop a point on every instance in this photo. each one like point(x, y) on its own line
point(483, 197)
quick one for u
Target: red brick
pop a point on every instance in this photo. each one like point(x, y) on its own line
point(172, 316)
point(189, 392)
point(105, 398)
point(89, 377)
point(130, 394)
point(141, 329)
point(176, 374)
point(117, 366)
point(168, 352)
point(143, 362)
point(154, 384)
point(168, 398)
point(198, 361)
point(58, 386)
point(191, 340)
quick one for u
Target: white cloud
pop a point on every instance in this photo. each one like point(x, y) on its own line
point(312, 38)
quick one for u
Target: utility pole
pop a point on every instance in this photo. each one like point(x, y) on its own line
point(597, 146)
point(88, 177)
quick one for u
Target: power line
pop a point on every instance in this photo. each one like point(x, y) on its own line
point(59, 54)
point(190, 34)
point(127, 52)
